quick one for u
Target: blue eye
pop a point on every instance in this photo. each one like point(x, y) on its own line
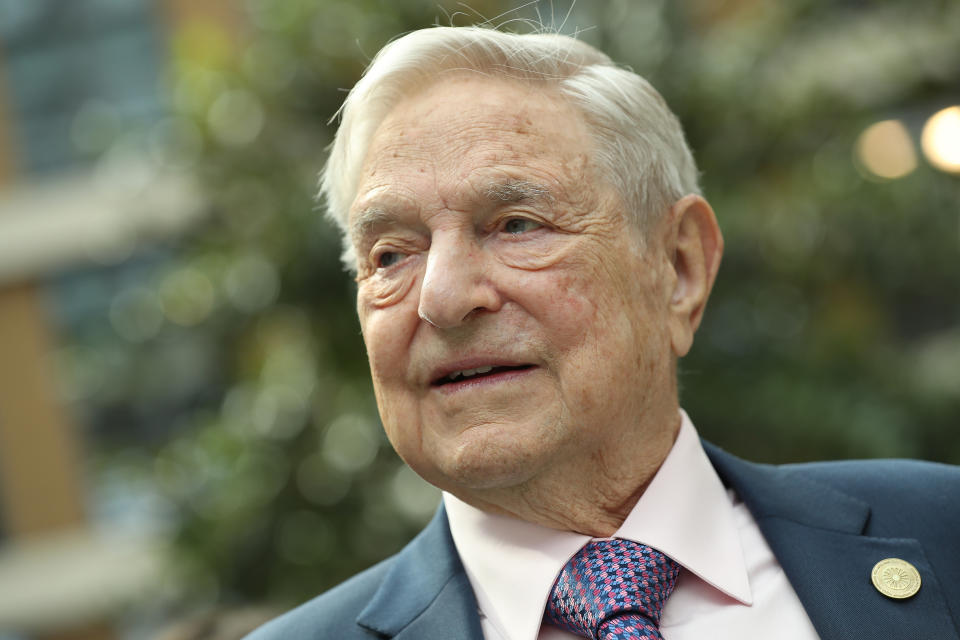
point(388, 259)
point(516, 226)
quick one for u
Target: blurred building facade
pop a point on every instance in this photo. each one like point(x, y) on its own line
point(79, 203)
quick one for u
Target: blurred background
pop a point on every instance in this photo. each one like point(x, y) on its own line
point(188, 438)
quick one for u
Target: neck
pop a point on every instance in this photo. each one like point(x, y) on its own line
point(592, 495)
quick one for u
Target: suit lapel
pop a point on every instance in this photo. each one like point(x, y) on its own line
point(817, 535)
point(426, 594)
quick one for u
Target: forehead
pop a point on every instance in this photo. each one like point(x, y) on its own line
point(466, 131)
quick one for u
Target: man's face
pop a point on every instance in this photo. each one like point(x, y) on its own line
point(515, 324)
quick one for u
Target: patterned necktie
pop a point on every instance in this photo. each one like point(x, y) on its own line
point(613, 590)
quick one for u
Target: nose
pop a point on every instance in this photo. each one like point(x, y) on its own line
point(455, 282)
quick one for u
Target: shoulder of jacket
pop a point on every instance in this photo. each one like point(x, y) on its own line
point(896, 472)
point(905, 483)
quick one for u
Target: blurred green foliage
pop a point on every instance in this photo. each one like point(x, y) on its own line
point(834, 329)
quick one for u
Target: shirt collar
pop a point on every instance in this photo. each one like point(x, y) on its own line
point(685, 512)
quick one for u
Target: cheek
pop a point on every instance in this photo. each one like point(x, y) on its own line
point(387, 332)
point(578, 316)
point(581, 306)
point(560, 306)
point(601, 323)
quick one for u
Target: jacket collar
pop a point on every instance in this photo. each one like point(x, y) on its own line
point(817, 535)
point(776, 492)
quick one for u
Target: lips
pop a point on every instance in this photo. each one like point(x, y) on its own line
point(476, 369)
point(483, 371)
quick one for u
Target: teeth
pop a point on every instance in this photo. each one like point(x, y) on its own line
point(467, 373)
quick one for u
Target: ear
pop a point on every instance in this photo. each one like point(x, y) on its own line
point(697, 246)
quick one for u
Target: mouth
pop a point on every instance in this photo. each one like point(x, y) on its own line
point(483, 373)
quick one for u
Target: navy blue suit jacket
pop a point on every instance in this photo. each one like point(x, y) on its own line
point(827, 523)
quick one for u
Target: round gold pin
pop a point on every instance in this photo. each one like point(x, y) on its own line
point(895, 578)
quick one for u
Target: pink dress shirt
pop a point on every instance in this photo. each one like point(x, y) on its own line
point(731, 585)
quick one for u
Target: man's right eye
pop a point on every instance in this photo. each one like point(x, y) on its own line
point(388, 259)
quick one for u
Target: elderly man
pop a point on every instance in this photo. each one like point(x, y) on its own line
point(532, 256)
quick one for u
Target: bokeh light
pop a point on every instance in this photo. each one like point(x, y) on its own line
point(886, 150)
point(351, 443)
point(252, 283)
point(941, 139)
point(236, 118)
point(320, 483)
point(187, 296)
point(412, 496)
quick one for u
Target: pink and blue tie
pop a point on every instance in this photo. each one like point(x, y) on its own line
point(613, 590)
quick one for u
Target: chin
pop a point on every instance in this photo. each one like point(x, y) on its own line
point(490, 462)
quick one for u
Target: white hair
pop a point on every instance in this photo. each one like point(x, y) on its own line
point(640, 144)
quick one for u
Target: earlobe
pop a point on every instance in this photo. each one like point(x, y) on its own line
point(697, 250)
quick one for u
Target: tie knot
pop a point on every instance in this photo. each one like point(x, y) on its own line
point(613, 589)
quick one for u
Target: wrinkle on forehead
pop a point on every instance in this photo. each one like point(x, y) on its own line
point(502, 147)
point(420, 108)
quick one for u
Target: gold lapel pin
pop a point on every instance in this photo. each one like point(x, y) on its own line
point(895, 578)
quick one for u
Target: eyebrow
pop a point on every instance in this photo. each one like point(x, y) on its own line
point(508, 192)
point(369, 219)
point(516, 191)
